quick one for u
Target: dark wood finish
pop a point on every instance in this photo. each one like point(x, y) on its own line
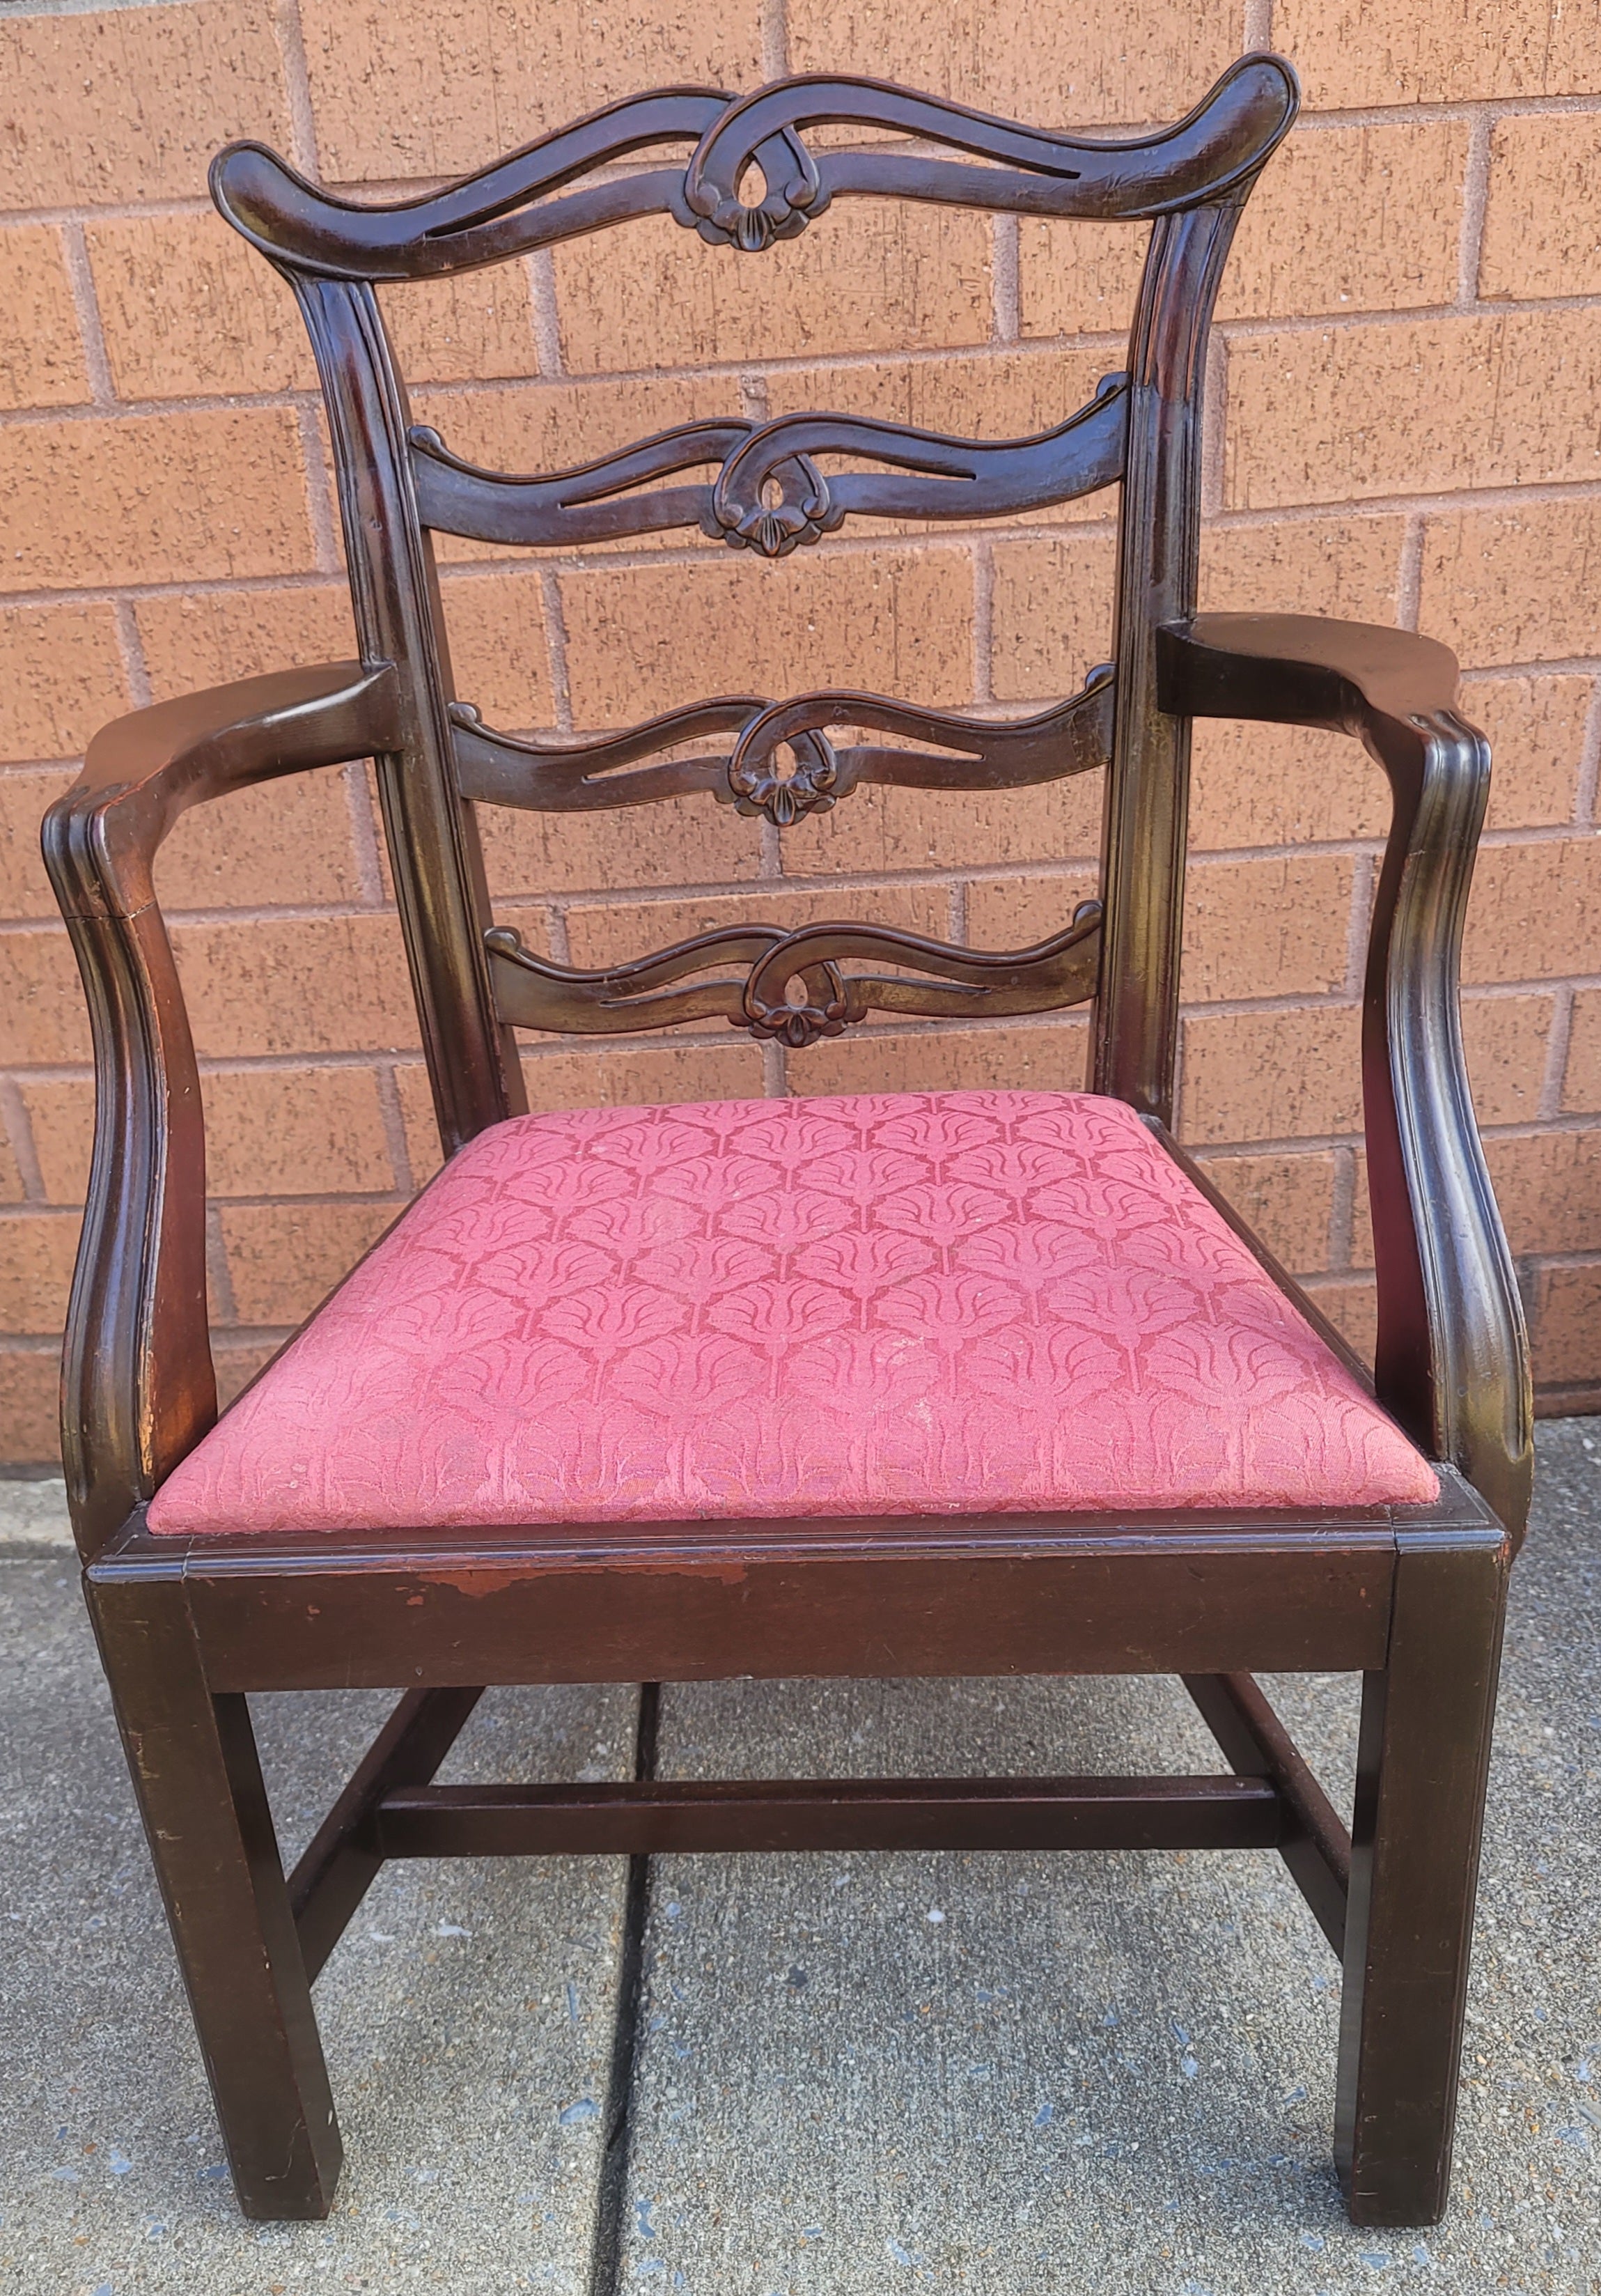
point(1191, 1594)
point(961, 478)
point(537, 993)
point(1315, 1845)
point(342, 1859)
point(195, 1770)
point(1411, 1598)
point(1218, 148)
point(1233, 1813)
point(554, 776)
point(1422, 1766)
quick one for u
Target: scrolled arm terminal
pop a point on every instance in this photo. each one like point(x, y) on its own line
point(139, 1289)
point(1452, 1356)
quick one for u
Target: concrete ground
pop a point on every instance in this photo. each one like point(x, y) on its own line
point(849, 2075)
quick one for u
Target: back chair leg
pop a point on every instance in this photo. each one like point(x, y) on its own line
point(1422, 1768)
point(205, 1807)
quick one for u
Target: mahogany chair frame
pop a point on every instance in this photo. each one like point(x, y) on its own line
point(1412, 1598)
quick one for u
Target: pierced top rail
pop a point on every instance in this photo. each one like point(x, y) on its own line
point(493, 215)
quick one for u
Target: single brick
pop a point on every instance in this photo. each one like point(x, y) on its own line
point(1412, 406)
point(60, 678)
point(621, 929)
point(1352, 220)
point(1548, 1187)
point(1079, 278)
point(190, 311)
point(880, 828)
point(681, 842)
point(498, 646)
point(296, 1132)
point(1352, 1309)
point(1567, 1316)
point(283, 1259)
point(12, 1190)
point(36, 1252)
point(236, 1363)
point(868, 276)
point(1052, 614)
point(60, 1116)
point(1582, 1084)
point(1268, 928)
point(1283, 1075)
point(24, 888)
point(1281, 785)
point(296, 985)
point(30, 1407)
point(1347, 567)
point(1286, 1200)
point(1543, 224)
point(1058, 68)
point(210, 638)
point(42, 359)
point(959, 1057)
point(1352, 52)
point(646, 638)
point(287, 843)
point(1532, 912)
point(433, 87)
point(1505, 1040)
point(1016, 912)
point(1362, 1249)
point(1514, 585)
point(45, 1018)
point(645, 1075)
point(1536, 730)
point(478, 323)
point(418, 1119)
point(130, 103)
point(155, 497)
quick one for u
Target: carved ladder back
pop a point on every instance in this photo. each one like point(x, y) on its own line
point(398, 483)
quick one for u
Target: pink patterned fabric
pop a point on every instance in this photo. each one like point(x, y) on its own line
point(923, 1303)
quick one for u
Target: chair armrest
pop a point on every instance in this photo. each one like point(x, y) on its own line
point(1453, 1358)
point(138, 1384)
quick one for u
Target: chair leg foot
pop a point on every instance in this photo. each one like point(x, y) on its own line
point(1421, 1773)
point(195, 1770)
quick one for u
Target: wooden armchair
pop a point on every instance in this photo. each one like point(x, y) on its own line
point(928, 1384)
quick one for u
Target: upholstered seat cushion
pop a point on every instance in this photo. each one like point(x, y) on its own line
point(922, 1303)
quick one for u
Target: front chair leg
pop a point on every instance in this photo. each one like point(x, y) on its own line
point(205, 1807)
point(1422, 1768)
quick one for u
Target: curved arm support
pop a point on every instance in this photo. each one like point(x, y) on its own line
point(1453, 1359)
point(138, 1389)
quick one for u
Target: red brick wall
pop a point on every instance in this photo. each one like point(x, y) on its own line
point(1406, 426)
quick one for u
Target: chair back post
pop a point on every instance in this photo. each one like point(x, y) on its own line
point(1147, 812)
point(432, 836)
